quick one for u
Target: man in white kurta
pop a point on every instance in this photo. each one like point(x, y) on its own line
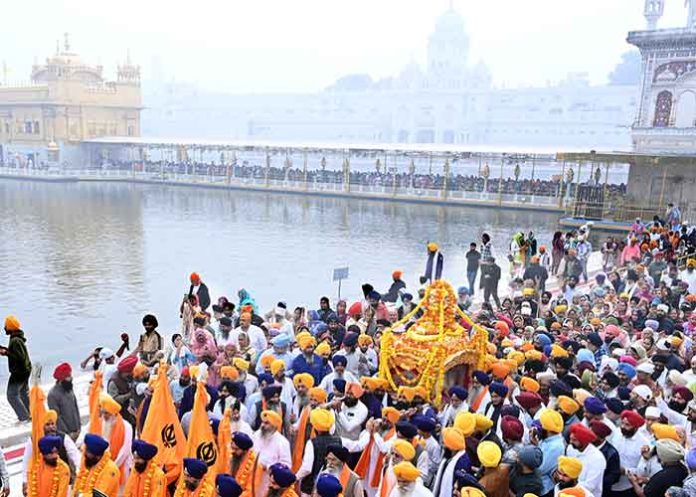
point(593, 462)
point(629, 443)
point(272, 448)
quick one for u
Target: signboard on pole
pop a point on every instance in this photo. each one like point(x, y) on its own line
point(340, 274)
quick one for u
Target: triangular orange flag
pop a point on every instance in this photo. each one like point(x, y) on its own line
point(37, 410)
point(95, 422)
point(224, 439)
point(163, 429)
point(201, 443)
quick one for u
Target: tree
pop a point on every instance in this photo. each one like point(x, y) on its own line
point(627, 72)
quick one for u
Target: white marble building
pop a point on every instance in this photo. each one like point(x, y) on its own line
point(451, 100)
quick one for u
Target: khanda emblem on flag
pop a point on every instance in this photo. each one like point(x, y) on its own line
point(207, 452)
point(168, 436)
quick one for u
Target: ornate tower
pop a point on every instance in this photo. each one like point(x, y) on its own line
point(448, 49)
point(129, 73)
point(653, 11)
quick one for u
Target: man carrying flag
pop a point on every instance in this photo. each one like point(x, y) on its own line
point(98, 471)
point(194, 483)
point(163, 429)
point(48, 475)
point(117, 432)
point(146, 478)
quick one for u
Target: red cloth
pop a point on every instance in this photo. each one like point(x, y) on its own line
point(583, 434)
point(529, 400)
point(512, 428)
point(600, 429)
point(684, 392)
point(127, 364)
point(62, 371)
point(635, 419)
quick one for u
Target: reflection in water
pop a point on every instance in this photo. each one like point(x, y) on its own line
point(85, 261)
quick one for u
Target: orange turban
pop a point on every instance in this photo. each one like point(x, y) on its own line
point(529, 384)
point(194, 278)
point(305, 379)
point(267, 360)
point(406, 471)
point(391, 414)
point(406, 392)
point(500, 370)
point(573, 492)
point(433, 247)
point(318, 394)
point(229, 373)
point(276, 366)
point(108, 404)
point(273, 418)
point(567, 405)
point(397, 274)
point(454, 439)
point(364, 340)
point(354, 389)
point(12, 323)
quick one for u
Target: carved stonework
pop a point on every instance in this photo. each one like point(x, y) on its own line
point(674, 70)
point(663, 109)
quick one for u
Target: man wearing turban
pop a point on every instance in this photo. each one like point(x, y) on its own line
point(351, 412)
point(308, 361)
point(120, 387)
point(193, 482)
point(337, 458)
point(593, 462)
point(454, 458)
point(567, 475)
point(146, 477)
point(315, 449)
point(48, 475)
point(61, 398)
point(271, 446)
point(244, 465)
point(629, 443)
point(339, 362)
point(19, 365)
point(98, 470)
point(200, 290)
point(117, 432)
point(408, 482)
point(498, 392)
point(371, 463)
point(548, 438)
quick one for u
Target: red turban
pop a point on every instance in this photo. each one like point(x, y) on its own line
point(683, 392)
point(582, 433)
point(600, 429)
point(127, 365)
point(512, 428)
point(195, 278)
point(634, 419)
point(529, 400)
point(62, 371)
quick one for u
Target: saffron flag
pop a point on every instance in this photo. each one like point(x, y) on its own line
point(37, 410)
point(95, 422)
point(224, 439)
point(163, 429)
point(201, 443)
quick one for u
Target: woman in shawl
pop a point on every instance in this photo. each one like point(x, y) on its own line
point(189, 309)
point(245, 299)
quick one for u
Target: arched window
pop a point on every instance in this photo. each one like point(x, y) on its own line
point(663, 109)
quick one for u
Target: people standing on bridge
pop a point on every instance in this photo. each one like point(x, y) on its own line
point(473, 260)
point(200, 290)
point(19, 364)
point(61, 398)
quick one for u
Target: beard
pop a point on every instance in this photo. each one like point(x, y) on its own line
point(191, 486)
point(629, 433)
point(675, 405)
point(140, 466)
point(91, 461)
point(51, 462)
point(350, 402)
point(266, 432)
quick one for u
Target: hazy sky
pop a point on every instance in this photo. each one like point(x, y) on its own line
point(304, 45)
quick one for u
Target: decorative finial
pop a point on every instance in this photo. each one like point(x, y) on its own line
point(66, 42)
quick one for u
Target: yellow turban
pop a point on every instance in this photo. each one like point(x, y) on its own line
point(406, 471)
point(570, 466)
point(663, 431)
point(391, 414)
point(471, 492)
point(273, 418)
point(454, 439)
point(528, 384)
point(528, 292)
point(551, 421)
point(193, 371)
point(533, 355)
point(365, 340)
point(322, 419)
point(560, 309)
point(420, 391)
point(529, 495)
point(558, 351)
point(482, 422)
point(108, 404)
point(433, 247)
point(517, 356)
point(267, 360)
point(567, 405)
point(51, 416)
point(489, 454)
point(406, 392)
point(276, 366)
point(677, 341)
point(241, 364)
point(318, 394)
point(305, 379)
point(691, 262)
point(404, 449)
point(229, 373)
point(323, 349)
point(306, 341)
point(506, 342)
point(465, 422)
point(12, 323)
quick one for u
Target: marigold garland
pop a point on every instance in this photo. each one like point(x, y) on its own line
point(57, 472)
point(434, 344)
point(181, 489)
point(147, 484)
point(82, 483)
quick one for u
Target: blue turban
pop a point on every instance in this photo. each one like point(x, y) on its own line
point(560, 387)
point(461, 392)
point(615, 405)
point(374, 295)
point(214, 423)
point(95, 444)
point(49, 443)
point(482, 377)
point(510, 410)
point(340, 384)
point(406, 429)
point(144, 450)
point(282, 340)
point(227, 486)
point(531, 456)
point(543, 339)
point(282, 475)
point(351, 339)
point(547, 350)
point(195, 468)
point(624, 392)
point(462, 290)
point(499, 388)
point(271, 390)
point(313, 315)
point(626, 369)
point(328, 486)
point(339, 360)
point(594, 406)
point(238, 391)
point(242, 440)
point(406, 296)
point(425, 424)
point(585, 355)
point(465, 479)
point(319, 329)
point(267, 378)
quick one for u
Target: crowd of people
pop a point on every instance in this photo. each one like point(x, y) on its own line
point(383, 178)
point(586, 391)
